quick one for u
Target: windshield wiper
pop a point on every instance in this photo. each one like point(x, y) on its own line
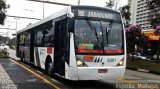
point(108, 29)
point(93, 28)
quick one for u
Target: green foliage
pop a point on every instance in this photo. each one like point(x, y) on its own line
point(2, 5)
point(152, 66)
point(134, 37)
point(4, 39)
point(154, 7)
point(153, 21)
point(110, 4)
point(2, 18)
point(125, 13)
point(3, 55)
point(8, 41)
point(3, 8)
point(12, 43)
point(157, 29)
point(153, 4)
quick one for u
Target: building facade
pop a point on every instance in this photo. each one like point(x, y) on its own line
point(139, 13)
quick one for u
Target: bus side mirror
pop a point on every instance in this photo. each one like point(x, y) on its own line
point(70, 15)
point(70, 25)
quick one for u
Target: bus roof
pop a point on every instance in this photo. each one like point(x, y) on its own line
point(62, 12)
point(53, 16)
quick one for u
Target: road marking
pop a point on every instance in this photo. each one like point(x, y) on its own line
point(126, 81)
point(154, 81)
point(37, 75)
point(135, 82)
point(5, 80)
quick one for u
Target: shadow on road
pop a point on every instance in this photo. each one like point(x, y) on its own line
point(85, 84)
point(69, 84)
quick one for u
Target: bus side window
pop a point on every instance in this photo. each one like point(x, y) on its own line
point(38, 38)
point(21, 39)
point(49, 34)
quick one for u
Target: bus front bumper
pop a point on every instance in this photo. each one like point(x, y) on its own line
point(100, 73)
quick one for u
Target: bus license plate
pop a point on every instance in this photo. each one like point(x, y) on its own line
point(102, 70)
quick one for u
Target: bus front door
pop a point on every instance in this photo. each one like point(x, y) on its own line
point(60, 46)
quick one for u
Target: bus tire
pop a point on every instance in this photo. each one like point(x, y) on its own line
point(49, 67)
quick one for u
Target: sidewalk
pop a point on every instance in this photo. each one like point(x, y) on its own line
point(5, 80)
point(12, 54)
point(14, 76)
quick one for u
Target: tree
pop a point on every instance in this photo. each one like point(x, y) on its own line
point(4, 40)
point(154, 15)
point(12, 43)
point(154, 7)
point(125, 13)
point(134, 37)
point(157, 45)
point(110, 4)
point(3, 8)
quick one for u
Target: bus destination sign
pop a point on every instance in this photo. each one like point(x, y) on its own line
point(97, 14)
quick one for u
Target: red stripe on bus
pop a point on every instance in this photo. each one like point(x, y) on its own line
point(89, 51)
point(113, 51)
point(100, 51)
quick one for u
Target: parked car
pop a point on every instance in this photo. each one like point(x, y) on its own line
point(138, 55)
point(3, 47)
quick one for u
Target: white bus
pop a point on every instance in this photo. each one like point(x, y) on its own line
point(76, 43)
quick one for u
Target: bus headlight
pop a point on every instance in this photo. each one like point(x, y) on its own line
point(80, 63)
point(121, 62)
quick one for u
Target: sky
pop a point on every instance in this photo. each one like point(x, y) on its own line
point(32, 9)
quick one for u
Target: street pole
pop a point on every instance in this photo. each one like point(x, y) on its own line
point(16, 35)
point(116, 5)
point(78, 2)
point(16, 25)
point(43, 10)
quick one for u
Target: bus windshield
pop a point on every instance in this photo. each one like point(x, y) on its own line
point(98, 37)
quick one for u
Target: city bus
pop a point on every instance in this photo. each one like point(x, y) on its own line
point(76, 43)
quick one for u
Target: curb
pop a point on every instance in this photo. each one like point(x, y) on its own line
point(13, 58)
point(143, 70)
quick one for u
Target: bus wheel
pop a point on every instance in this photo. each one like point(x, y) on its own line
point(49, 68)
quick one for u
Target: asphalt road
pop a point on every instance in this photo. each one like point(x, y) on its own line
point(132, 79)
point(15, 77)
